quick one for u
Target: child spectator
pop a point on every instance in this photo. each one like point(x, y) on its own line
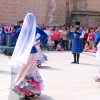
point(94, 49)
point(87, 47)
point(50, 42)
point(91, 37)
point(59, 48)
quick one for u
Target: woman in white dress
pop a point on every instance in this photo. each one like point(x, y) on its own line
point(28, 81)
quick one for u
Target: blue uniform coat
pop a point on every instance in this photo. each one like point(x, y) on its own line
point(42, 38)
point(76, 43)
point(97, 37)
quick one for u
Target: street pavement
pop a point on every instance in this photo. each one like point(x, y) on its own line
point(5, 77)
point(63, 80)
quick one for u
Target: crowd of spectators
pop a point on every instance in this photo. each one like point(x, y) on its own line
point(57, 37)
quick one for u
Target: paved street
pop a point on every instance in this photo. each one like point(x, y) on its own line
point(63, 81)
point(5, 77)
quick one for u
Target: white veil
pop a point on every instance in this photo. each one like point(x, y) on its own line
point(98, 52)
point(25, 42)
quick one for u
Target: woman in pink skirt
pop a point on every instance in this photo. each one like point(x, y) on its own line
point(28, 81)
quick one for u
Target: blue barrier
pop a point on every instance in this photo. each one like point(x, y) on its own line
point(6, 42)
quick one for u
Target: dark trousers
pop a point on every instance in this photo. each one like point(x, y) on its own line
point(56, 43)
point(76, 57)
point(82, 42)
point(65, 44)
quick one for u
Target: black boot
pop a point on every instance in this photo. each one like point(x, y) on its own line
point(74, 54)
point(78, 56)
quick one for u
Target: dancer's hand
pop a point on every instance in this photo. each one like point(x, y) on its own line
point(37, 44)
point(73, 29)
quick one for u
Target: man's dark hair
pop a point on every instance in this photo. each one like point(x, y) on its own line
point(18, 21)
point(77, 23)
point(21, 21)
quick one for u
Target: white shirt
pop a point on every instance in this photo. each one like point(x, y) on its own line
point(60, 31)
point(47, 32)
point(82, 35)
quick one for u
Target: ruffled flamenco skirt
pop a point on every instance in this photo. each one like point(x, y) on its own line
point(28, 81)
point(41, 58)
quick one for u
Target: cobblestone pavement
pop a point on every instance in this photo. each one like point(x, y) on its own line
point(63, 81)
point(5, 77)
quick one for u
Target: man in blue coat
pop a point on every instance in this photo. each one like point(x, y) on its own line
point(16, 35)
point(74, 36)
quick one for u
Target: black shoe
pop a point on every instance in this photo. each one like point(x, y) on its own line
point(77, 62)
point(73, 62)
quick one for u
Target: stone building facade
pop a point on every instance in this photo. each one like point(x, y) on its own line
point(52, 12)
point(48, 12)
point(85, 11)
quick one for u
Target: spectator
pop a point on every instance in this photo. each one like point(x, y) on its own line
point(87, 47)
point(8, 28)
point(97, 37)
point(59, 47)
point(0, 34)
point(12, 36)
point(94, 49)
point(69, 41)
point(42, 27)
point(82, 37)
point(47, 31)
point(13, 30)
point(64, 39)
point(2, 25)
point(60, 31)
point(50, 42)
point(56, 36)
point(1, 29)
point(18, 31)
point(17, 26)
point(85, 32)
point(91, 37)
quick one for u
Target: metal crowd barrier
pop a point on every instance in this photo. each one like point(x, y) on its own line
point(7, 43)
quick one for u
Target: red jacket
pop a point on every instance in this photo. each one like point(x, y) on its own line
point(91, 36)
point(56, 35)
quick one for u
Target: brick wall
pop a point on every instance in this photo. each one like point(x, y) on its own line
point(49, 12)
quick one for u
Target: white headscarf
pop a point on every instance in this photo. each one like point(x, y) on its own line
point(98, 52)
point(25, 42)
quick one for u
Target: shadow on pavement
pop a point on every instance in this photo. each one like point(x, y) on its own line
point(12, 95)
point(89, 54)
point(90, 64)
point(5, 72)
point(48, 68)
point(8, 73)
point(42, 97)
